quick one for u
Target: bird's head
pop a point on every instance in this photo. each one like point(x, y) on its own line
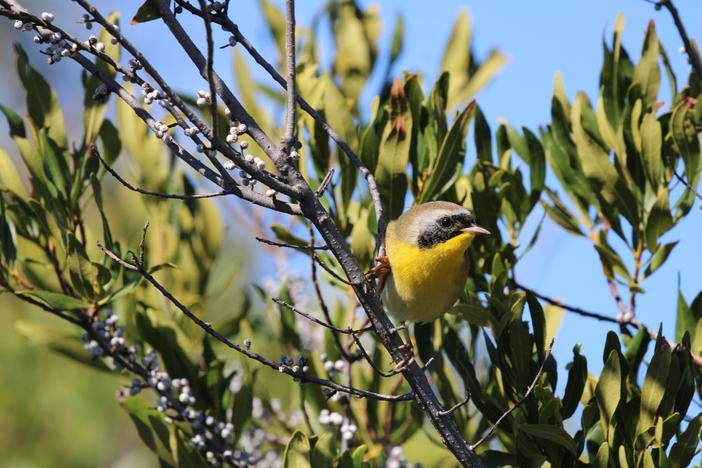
point(434, 223)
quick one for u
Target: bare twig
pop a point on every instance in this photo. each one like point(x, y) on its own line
point(686, 183)
point(291, 246)
point(367, 357)
point(329, 270)
point(322, 302)
point(131, 187)
point(530, 389)
point(630, 322)
point(345, 331)
point(457, 405)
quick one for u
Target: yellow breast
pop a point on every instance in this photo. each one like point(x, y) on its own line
point(425, 283)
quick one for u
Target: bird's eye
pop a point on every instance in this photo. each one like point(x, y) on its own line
point(445, 222)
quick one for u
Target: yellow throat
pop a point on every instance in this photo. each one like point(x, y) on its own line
point(425, 283)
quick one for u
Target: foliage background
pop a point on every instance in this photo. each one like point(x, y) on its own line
point(538, 41)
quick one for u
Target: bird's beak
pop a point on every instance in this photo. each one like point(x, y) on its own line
point(477, 230)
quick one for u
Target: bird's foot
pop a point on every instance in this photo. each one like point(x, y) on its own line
point(381, 269)
point(406, 360)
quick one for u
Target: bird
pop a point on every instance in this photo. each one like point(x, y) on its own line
point(425, 266)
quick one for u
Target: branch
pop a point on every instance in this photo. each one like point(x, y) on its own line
point(119, 178)
point(210, 66)
point(235, 107)
point(575, 310)
point(346, 331)
point(228, 25)
point(691, 51)
point(299, 375)
point(291, 246)
point(686, 183)
point(521, 400)
point(631, 322)
point(288, 138)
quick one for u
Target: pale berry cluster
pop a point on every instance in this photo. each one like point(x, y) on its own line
point(396, 458)
point(332, 418)
point(203, 97)
point(332, 368)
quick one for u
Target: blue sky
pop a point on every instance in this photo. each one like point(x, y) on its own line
point(540, 38)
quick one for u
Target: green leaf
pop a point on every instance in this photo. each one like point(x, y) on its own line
point(42, 103)
point(297, 452)
point(473, 314)
point(9, 177)
point(150, 426)
point(685, 319)
point(324, 451)
point(659, 219)
point(450, 155)
point(148, 11)
point(8, 238)
point(561, 215)
point(654, 386)
point(594, 160)
point(608, 390)
point(483, 138)
point(111, 143)
point(550, 433)
point(57, 300)
point(60, 342)
point(577, 377)
point(14, 121)
point(687, 443)
point(467, 77)
point(55, 164)
point(276, 24)
point(651, 143)
point(647, 72)
point(685, 138)
point(393, 158)
point(243, 406)
point(659, 257)
point(355, 47)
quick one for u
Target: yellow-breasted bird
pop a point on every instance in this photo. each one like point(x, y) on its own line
point(426, 251)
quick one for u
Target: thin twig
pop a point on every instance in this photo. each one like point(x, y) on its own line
point(457, 405)
point(131, 187)
point(345, 331)
point(330, 271)
point(322, 302)
point(291, 246)
point(575, 310)
point(686, 183)
point(367, 357)
point(531, 387)
point(632, 322)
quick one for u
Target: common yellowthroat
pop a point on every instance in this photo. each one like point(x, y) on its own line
point(426, 251)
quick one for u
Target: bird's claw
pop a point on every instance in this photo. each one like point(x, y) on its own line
point(381, 269)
